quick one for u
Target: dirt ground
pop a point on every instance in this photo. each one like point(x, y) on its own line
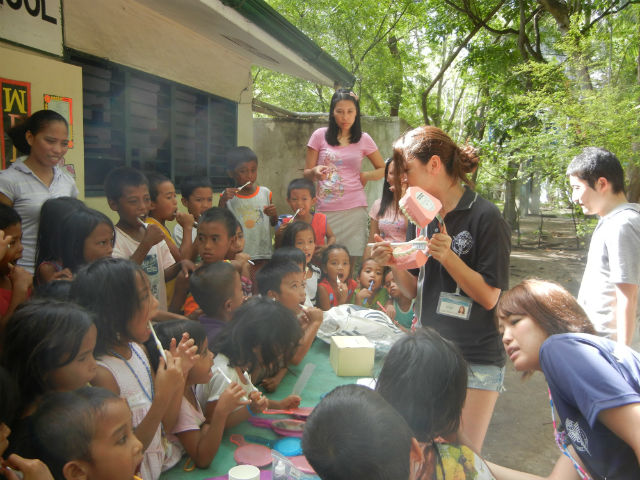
point(521, 434)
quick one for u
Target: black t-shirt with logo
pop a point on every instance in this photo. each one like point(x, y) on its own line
point(482, 239)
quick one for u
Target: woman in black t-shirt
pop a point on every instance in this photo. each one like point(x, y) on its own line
point(469, 266)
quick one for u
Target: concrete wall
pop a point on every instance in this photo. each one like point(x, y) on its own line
point(53, 77)
point(281, 146)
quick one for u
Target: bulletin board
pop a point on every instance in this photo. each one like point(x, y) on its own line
point(15, 102)
point(63, 106)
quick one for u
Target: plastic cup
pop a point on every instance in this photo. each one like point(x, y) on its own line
point(244, 472)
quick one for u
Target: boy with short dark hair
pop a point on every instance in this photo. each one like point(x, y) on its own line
point(217, 289)
point(164, 208)
point(251, 204)
point(609, 288)
point(127, 192)
point(284, 282)
point(197, 196)
point(15, 281)
point(215, 232)
point(301, 197)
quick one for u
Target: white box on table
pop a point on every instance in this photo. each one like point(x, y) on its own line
point(352, 356)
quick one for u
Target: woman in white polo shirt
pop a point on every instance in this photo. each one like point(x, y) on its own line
point(30, 180)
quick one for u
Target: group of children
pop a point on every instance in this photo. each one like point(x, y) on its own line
point(99, 289)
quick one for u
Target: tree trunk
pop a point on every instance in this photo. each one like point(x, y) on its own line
point(437, 115)
point(397, 77)
point(534, 195)
point(525, 191)
point(510, 212)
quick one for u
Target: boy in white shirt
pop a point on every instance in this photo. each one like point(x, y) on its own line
point(127, 191)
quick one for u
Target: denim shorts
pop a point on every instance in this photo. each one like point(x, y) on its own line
point(485, 377)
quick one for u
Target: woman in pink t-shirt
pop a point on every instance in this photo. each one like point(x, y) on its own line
point(334, 159)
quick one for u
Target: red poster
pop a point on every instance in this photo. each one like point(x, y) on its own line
point(15, 101)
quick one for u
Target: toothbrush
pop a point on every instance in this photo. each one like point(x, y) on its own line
point(228, 380)
point(248, 183)
point(294, 216)
point(382, 307)
point(303, 379)
point(415, 243)
point(195, 224)
point(158, 344)
point(364, 302)
point(248, 379)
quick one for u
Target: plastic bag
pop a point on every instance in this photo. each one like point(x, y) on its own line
point(349, 319)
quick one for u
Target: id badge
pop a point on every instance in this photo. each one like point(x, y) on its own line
point(453, 305)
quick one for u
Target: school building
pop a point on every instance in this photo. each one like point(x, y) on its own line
point(159, 85)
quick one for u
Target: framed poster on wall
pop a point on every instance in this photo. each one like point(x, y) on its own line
point(63, 106)
point(15, 102)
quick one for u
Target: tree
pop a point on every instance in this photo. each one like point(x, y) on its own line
point(530, 82)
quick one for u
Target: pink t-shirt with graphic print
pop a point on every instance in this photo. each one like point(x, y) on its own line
point(392, 225)
point(342, 189)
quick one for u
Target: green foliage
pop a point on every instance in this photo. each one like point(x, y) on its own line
point(530, 96)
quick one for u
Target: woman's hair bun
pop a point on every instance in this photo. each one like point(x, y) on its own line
point(469, 158)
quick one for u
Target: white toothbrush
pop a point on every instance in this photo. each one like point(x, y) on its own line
point(158, 344)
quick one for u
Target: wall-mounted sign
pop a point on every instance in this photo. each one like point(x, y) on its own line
point(15, 102)
point(63, 106)
point(33, 23)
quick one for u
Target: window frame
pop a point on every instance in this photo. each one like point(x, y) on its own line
point(213, 104)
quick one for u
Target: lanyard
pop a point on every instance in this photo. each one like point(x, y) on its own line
point(561, 441)
point(126, 362)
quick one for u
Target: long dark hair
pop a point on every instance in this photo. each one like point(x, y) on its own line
point(52, 214)
point(76, 227)
point(174, 329)
point(331, 135)
point(10, 398)
point(107, 288)
point(325, 257)
point(261, 325)
point(41, 336)
point(291, 230)
point(34, 124)
point(424, 377)
point(388, 197)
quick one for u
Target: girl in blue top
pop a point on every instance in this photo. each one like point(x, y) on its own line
point(594, 383)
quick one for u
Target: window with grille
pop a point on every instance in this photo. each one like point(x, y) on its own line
point(139, 120)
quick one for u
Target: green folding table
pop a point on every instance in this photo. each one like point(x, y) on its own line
point(322, 381)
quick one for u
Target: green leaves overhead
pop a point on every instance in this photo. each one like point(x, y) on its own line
point(530, 81)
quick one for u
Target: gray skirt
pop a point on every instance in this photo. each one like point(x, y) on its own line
point(351, 228)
